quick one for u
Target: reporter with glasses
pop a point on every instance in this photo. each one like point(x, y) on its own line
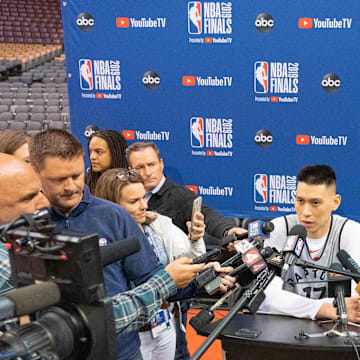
point(126, 188)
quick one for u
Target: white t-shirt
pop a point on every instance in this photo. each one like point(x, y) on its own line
point(279, 301)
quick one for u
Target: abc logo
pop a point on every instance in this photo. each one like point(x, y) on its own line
point(263, 138)
point(264, 22)
point(85, 22)
point(90, 130)
point(151, 80)
point(331, 83)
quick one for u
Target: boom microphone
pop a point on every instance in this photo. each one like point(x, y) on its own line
point(293, 247)
point(350, 264)
point(28, 299)
point(118, 250)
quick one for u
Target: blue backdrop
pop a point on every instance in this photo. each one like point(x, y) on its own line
point(238, 95)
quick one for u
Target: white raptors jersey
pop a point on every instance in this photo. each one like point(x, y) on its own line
point(312, 283)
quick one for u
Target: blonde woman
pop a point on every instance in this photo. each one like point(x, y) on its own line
point(169, 242)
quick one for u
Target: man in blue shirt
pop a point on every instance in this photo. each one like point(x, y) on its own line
point(58, 157)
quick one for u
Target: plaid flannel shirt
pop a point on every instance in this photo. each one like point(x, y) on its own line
point(5, 269)
point(136, 307)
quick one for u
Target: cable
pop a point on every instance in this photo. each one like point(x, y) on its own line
point(354, 347)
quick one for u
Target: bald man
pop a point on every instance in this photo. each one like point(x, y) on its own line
point(20, 192)
point(20, 189)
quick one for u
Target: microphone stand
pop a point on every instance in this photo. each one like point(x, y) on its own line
point(339, 303)
point(249, 295)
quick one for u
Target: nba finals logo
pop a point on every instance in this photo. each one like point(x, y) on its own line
point(261, 78)
point(197, 132)
point(86, 74)
point(194, 17)
point(260, 188)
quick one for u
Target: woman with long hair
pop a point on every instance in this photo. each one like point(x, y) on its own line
point(15, 142)
point(106, 151)
point(169, 242)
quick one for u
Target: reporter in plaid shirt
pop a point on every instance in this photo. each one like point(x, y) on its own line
point(20, 192)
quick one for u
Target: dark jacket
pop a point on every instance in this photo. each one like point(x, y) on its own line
point(176, 201)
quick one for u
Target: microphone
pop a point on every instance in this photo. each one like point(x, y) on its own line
point(259, 227)
point(28, 299)
point(293, 247)
point(231, 238)
point(210, 255)
point(250, 256)
point(339, 287)
point(118, 250)
point(41, 215)
point(350, 264)
point(274, 260)
point(255, 228)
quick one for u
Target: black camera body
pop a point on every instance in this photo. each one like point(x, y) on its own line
point(81, 326)
point(70, 259)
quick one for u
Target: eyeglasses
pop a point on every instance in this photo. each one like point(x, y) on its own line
point(124, 175)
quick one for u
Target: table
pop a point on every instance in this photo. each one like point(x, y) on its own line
point(272, 337)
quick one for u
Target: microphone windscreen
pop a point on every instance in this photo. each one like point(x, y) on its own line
point(298, 230)
point(228, 239)
point(118, 250)
point(348, 263)
point(343, 257)
point(267, 227)
point(31, 298)
point(267, 251)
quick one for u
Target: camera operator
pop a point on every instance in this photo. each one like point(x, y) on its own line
point(58, 157)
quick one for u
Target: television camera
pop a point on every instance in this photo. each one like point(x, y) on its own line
point(59, 278)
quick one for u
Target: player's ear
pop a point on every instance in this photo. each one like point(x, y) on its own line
point(336, 201)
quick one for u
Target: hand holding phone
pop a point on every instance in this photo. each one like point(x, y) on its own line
point(196, 226)
point(196, 208)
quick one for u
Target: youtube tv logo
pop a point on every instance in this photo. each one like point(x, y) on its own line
point(122, 22)
point(210, 153)
point(305, 23)
point(99, 95)
point(302, 139)
point(188, 80)
point(193, 188)
point(128, 134)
